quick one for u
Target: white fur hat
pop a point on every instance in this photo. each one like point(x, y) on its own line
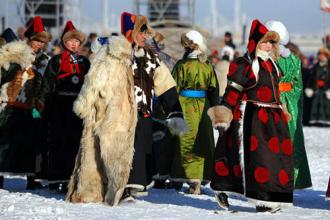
point(197, 38)
point(229, 51)
point(279, 27)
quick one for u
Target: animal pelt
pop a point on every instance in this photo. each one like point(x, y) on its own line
point(106, 104)
point(220, 115)
point(16, 52)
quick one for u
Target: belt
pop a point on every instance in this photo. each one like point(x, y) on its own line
point(193, 93)
point(285, 87)
point(264, 104)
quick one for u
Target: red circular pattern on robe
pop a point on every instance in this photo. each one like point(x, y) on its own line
point(221, 169)
point(264, 94)
point(261, 174)
point(274, 144)
point(251, 45)
point(286, 146)
point(254, 143)
point(232, 69)
point(263, 115)
point(283, 177)
point(237, 114)
point(232, 98)
point(263, 29)
point(276, 117)
point(237, 170)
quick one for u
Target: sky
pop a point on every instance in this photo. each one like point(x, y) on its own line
point(300, 16)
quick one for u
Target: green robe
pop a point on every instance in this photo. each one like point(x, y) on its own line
point(291, 70)
point(193, 157)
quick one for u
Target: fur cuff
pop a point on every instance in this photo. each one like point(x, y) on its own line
point(220, 116)
point(177, 125)
point(309, 92)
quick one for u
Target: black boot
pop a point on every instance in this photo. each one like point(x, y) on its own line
point(1, 182)
point(30, 184)
point(176, 185)
point(127, 196)
point(222, 200)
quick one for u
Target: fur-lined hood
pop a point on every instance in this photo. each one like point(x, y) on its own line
point(16, 52)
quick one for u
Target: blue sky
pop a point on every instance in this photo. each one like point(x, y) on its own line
point(300, 16)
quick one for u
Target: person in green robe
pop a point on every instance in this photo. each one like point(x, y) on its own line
point(198, 91)
point(291, 94)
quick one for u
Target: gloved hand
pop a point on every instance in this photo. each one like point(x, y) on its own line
point(35, 113)
point(177, 125)
point(309, 92)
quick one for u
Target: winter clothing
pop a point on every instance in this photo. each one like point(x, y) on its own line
point(317, 88)
point(260, 156)
point(291, 95)
point(198, 89)
point(36, 31)
point(19, 86)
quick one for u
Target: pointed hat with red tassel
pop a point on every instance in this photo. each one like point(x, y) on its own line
point(70, 32)
point(36, 31)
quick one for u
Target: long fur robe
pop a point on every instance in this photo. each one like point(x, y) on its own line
point(107, 105)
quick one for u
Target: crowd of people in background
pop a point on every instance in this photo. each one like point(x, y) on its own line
point(103, 119)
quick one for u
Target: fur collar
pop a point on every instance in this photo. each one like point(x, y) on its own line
point(16, 52)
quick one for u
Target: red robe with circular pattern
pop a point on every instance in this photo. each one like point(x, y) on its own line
point(266, 170)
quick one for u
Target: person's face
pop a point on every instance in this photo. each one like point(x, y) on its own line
point(36, 45)
point(266, 46)
point(322, 57)
point(141, 38)
point(72, 44)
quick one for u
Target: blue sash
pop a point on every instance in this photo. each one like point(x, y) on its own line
point(193, 93)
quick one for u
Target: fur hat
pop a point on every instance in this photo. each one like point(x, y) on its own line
point(193, 40)
point(324, 51)
point(7, 36)
point(70, 32)
point(258, 34)
point(279, 27)
point(36, 31)
point(131, 25)
point(227, 51)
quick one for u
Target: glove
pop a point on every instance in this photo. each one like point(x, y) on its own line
point(35, 113)
point(327, 94)
point(309, 92)
point(177, 125)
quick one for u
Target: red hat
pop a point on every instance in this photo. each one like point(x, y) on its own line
point(70, 32)
point(131, 24)
point(36, 31)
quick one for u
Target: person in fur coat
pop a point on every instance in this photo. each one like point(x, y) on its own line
point(254, 158)
point(20, 83)
point(117, 135)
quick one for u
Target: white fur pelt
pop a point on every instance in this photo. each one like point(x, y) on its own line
point(106, 104)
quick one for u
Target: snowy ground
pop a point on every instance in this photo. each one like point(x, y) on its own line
point(17, 203)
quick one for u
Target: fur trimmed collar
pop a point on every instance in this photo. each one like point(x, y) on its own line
point(16, 52)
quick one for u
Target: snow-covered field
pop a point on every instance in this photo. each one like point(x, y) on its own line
point(17, 203)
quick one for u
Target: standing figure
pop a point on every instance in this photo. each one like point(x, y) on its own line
point(291, 95)
point(318, 88)
point(257, 162)
point(198, 89)
point(62, 82)
point(112, 164)
point(20, 84)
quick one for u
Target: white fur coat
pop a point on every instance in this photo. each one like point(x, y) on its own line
point(106, 104)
